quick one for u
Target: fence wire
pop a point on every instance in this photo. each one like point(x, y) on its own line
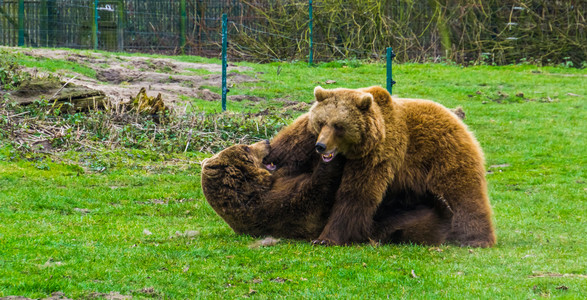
point(464, 31)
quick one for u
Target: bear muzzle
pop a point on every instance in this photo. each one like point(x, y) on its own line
point(320, 148)
point(326, 157)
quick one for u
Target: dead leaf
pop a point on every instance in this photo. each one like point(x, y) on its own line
point(562, 287)
point(55, 296)
point(82, 210)
point(330, 81)
point(251, 291)
point(266, 242)
point(374, 243)
point(147, 232)
point(257, 280)
point(187, 233)
point(109, 296)
point(573, 95)
point(499, 166)
point(556, 275)
point(279, 279)
point(156, 201)
point(414, 274)
point(50, 263)
point(148, 290)
point(191, 233)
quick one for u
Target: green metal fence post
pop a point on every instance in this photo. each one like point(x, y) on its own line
point(44, 32)
point(51, 23)
point(120, 25)
point(311, 59)
point(390, 81)
point(182, 26)
point(224, 42)
point(95, 26)
point(21, 23)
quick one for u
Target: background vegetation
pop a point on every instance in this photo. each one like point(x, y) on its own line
point(114, 207)
point(480, 31)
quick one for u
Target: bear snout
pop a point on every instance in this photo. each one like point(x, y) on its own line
point(320, 148)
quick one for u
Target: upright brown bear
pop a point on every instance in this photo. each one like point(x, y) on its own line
point(401, 146)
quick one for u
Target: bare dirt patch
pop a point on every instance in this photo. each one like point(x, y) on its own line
point(122, 77)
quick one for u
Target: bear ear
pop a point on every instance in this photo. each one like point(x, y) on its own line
point(320, 93)
point(364, 101)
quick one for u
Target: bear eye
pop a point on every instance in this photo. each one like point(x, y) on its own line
point(338, 127)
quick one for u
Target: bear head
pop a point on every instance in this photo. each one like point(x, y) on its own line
point(347, 122)
point(236, 177)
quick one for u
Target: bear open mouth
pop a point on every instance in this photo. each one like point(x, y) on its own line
point(327, 157)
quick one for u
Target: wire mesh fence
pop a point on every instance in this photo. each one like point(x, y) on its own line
point(491, 31)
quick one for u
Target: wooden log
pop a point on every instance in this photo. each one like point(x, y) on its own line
point(69, 98)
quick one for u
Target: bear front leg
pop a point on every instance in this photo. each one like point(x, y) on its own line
point(360, 192)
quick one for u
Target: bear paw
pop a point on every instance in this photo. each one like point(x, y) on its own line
point(324, 242)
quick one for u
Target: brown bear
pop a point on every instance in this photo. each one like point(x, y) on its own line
point(254, 200)
point(257, 200)
point(410, 146)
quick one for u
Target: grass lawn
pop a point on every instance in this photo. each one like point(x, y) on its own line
point(134, 221)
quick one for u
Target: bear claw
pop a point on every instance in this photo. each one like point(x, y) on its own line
point(323, 242)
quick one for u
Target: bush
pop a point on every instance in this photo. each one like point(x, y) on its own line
point(11, 76)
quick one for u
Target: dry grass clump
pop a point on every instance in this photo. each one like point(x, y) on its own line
point(39, 128)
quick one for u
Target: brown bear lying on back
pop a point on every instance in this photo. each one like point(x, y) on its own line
point(255, 201)
point(292, 204)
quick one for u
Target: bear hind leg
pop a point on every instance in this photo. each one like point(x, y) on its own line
point(472, 225)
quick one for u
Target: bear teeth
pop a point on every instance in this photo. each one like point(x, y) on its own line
point(270, 167)
point(327, 157)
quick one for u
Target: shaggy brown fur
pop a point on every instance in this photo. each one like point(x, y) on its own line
point(253, 201)
point(410, 146)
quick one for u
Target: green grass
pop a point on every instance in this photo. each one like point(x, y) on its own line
point(75, 222)
point(56, 65)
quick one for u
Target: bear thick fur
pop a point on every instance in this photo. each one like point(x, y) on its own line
point(404, 147)
point(255, 201)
